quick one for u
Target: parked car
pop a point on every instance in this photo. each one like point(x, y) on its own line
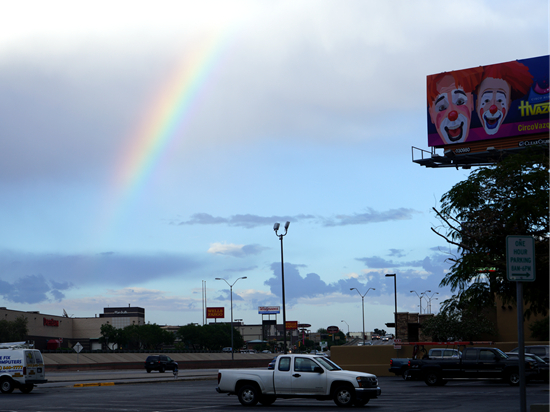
point(226, 350)
point(271, 364)
point(540, 350)
point(266, 351)
point(495, 365)
point(542, 367)
point(160, 363)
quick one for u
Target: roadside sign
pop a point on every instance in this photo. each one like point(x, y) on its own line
point(78, 347)
point(520, 258)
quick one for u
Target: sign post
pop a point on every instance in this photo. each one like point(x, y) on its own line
point(77, 348)
point(520, 267)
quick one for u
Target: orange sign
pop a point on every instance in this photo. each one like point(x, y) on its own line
point(291, 324)
point(214, 313)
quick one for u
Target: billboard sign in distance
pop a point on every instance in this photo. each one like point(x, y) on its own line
point(269, 310)
point(333, 329)
point(291, 324)
point(215, 313)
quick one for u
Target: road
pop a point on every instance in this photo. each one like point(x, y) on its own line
point(168, 395)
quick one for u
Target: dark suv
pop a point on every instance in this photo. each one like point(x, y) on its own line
point(160, 363)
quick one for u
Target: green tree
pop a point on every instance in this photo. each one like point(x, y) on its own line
point(540, 329)
point(459, 319)
point(111, 336)
point(213, 337)
point(508, 198)
point(148, 336)
point(15, 330)
point(380, 332)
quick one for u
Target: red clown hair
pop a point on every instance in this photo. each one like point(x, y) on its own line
point(514, 73)
point(467, 79)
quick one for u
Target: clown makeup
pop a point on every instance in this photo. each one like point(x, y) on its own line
point(493, 104)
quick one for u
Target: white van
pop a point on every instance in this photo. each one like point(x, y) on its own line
point(21, 367)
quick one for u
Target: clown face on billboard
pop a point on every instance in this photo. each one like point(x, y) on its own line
point(486, 102)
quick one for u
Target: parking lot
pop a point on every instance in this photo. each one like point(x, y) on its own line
point(129, 393)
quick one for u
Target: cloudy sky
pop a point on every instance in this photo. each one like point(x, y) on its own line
point(146, 147)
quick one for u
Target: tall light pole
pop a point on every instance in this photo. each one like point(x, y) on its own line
point(429, 304)
point(280, 236)
point(231, 292)
point(420, 296)
point(395, 293)
point(363, 307)
point(346, 324)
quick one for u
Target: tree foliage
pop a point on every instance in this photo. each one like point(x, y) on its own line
point(540, 329)
point(14, 331)
point(148, 336)
point(459, 319)
point(214, 336)
point(477, 214)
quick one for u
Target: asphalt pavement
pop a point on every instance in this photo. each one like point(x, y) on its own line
point(118, 376)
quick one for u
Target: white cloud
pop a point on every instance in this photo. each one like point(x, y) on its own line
point(226, 249)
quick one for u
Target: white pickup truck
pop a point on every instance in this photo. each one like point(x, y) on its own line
point(299, 376)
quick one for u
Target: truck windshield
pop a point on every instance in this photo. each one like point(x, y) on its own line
point(328, 364)
point(501, 354)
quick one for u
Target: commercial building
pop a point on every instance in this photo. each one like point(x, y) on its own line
point(52, 331)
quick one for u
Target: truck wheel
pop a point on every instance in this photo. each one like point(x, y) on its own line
point(248, 395)
point(513, 378)
point(267, 400)
point(432, 379)
point(6, 385)
point(344, 396)
point(26, 388)
point(161, 370)
point(406, 375)
point(148, 370)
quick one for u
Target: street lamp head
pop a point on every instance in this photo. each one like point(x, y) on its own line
point(390, 275)
point(276, 226)
point(219, 279)
point(351, 288)
point(287, 224)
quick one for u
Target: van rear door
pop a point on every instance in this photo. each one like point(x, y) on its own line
point(34, 364)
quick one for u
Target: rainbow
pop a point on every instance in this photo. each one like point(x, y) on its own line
point(164, 120)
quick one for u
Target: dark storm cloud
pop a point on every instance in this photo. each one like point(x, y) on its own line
point(310, 286)
point(420, 275)
point(41, 277)
point(396, 252)
point(32, 289)
point(247, 221)
point(377, 262)
point(372, 216)
point(226, 295)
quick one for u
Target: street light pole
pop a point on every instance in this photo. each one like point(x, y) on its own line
point(346, 324)
point(231, 293)
point(429, 304)
point(363, 308)
point(420, 296)
point(280, 236)
point(395, 293)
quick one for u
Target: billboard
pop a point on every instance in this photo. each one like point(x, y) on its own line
point(269, 310)
point(214, 313)
point(488, 102)
point(291, 324)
